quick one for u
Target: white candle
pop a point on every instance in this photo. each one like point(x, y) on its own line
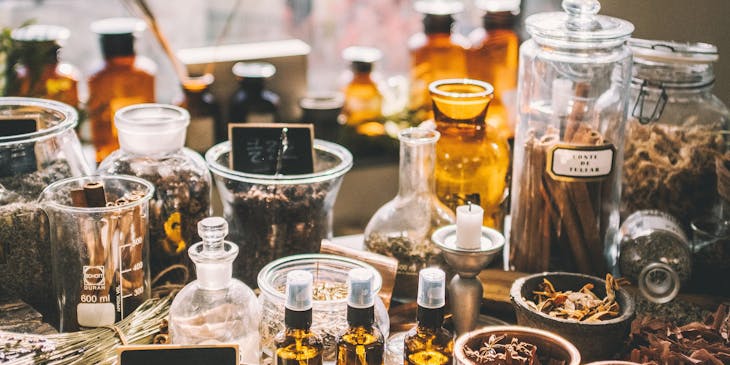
point(469, 226)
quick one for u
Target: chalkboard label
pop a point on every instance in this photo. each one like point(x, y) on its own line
point(178, 355)
point(13, 126)
point(19, 158)
point(272, 148)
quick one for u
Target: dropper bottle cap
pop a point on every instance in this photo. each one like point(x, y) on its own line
point(360, 285)
point(213, 257)
point(299, 290)
point(431, 288)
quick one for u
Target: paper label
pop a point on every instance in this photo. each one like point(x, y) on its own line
point(200, 136)
point(580, 163)
point(655, 222)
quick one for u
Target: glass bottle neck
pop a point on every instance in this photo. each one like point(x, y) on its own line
point(360, 317)
point(298, 320)
point(213, 263)
point(499, 20)
point(430, 318)
point(253, 85)
point(416, 171)
point(127, 60)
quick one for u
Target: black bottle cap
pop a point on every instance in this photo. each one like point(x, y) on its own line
point(117, 35)
point(362, 58)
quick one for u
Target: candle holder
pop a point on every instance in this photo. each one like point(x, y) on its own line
point(465, 289)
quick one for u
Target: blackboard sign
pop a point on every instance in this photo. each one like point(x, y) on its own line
point(178, 355)
point(272, 148)
point(13, 126)
point(16, 159)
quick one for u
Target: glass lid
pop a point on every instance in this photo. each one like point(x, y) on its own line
point(579, 26)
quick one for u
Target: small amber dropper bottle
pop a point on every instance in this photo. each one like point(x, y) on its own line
point(297, 344)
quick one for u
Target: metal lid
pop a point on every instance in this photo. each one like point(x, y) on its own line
point(362, 54)
point(41, 33)
point(578, 27)
point(118, 26)
point(439, 7)
point(673, 52)
point(496, 6)
point(261, 70)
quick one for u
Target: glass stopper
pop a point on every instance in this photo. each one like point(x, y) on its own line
point(581, 7)
point(213, 231)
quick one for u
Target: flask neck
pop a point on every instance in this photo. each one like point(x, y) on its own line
point(213, 263)
point(417, 164)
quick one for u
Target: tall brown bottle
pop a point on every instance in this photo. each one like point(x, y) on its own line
point(124, 79)
point(363, 100)
point(436, 53)
point(493, 58)
point(206, 121)
point(40, 74)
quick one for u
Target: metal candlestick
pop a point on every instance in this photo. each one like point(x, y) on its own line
point(465, 289)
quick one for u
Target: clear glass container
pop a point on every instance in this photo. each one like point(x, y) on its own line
point(216, 308)
point(710, 255)
point(99, 247)
point(252, 102)
point(572, 97)
point(654, 253)
point(330, 298)
point(273, 216)
point(402, 227)
point(30, 160)
point(471, 159)
point(151, 139)
point(676, 128)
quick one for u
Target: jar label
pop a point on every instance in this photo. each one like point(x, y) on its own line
point(567, 162)
point(653, 222)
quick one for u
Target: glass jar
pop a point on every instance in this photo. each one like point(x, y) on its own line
point(572, 98)
point(273, 216)
point(100, 251)
point(654, 253)
point(29, 161)
point(252, 102)
point(711, 255)
point(402, 227)
point(471, 159)
point(151, 137)
point(216, 308)
point(676, 128)
point(329, 308)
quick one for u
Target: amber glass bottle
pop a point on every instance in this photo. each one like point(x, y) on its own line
point(429, 343)
point(206, 124)
point(297, 344)
point(436, 53)
point(124, 79)
point(493, 58)
point(471, 164)
point(39, 73)
point(363, 101)
point(362, 343)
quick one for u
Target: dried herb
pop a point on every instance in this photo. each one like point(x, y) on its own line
point(708, 342)
point(500, 351)
point(582, 305)
point(656, 246)
point(676, 312)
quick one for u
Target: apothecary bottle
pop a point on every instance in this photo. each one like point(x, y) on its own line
point(252, 102)
point(572, 97)
point(206, 123)
point(216, 308)
point(40, 72)
point(471, 159)
point(402, 227)
point(675, 128)
point(654, 254)
point(151, 138)
point(124, 78)
point(363, 100)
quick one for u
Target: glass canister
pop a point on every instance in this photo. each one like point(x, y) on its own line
point(329, 309)
point(38, 146)
point(472, 159)
point(572, 98)
point(402, 227)
point(151, 139)
point(99, 247)
point(272, 216)
point(676, 129)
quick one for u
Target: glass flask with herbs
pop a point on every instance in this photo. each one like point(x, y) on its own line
point(38, 146)
point(151, 138)
point(402, 227)
point(572, 96)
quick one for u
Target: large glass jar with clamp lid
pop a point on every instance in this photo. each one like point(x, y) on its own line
point(572, 97)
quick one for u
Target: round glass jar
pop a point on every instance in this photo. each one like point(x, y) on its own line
point(273, 216)
point(329, 316)
point(30, 160)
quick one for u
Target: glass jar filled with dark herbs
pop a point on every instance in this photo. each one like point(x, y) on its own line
point(151, 139)
point(253, 102)
point(654, 253)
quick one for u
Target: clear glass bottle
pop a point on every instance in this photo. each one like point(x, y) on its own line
point(471, 160)
point(252, 102)
point(436, 53)
point(572, 98)
point(363, 101)
point(493, 58)
point(151, 137)
point(402, 227)
point(429, 343)
point(40, 73)
point(676, 127)
point(654, 253)
point(216, 308)
point(125, 78)
point(206, 123)
point(362, 343)
point(297, 344)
